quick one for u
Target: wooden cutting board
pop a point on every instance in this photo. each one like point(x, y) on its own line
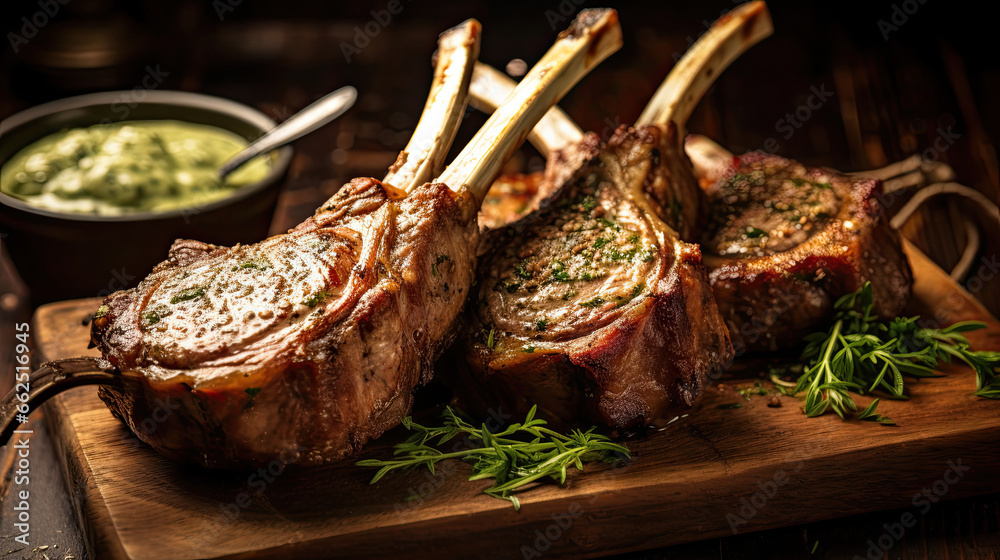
point(717, 471)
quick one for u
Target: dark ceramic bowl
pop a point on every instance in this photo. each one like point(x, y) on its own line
point(62, 255)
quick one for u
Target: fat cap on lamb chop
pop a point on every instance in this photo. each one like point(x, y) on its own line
point(592, 307)
point(305, 346)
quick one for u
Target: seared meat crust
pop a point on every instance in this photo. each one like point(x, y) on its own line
point(785, 242)
point(303, 346)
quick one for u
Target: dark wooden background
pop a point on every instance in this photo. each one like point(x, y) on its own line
point(935, 75)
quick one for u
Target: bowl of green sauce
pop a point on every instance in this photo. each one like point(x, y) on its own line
point(90, 201)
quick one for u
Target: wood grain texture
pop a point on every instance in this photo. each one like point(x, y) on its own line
point(681, 486)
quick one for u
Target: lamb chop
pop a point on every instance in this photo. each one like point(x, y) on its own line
point(782, 247)
point(592, 307)
point(784, 242)
point(305, 346)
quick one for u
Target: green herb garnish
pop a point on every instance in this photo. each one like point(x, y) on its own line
point(188, 294)
point(596, 302)
point(757, 389)
point(249, 264)
point(559, 273)
point(314, 299)
point(608, 223)
point(861, 354)
point(519, 455)
point(754, 233)
point(151, 317)
point(521, 270)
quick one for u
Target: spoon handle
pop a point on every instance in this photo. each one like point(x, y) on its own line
point(305, 121)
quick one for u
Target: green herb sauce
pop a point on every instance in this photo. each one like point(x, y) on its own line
point(133, 166)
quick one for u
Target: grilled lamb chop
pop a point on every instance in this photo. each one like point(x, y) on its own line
point(305, 346)
point(591, 306)
point(785, 241)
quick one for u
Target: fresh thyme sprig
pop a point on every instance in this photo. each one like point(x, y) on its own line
point(517, 456)
point(862, 354)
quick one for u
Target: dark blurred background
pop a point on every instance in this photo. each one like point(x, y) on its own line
point(903, 75)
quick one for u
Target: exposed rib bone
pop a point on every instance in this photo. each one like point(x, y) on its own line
point(676, 97)
point(687, 83)
point(710, 160)
point(490, 88)
point(423, 157)
point(592, 37)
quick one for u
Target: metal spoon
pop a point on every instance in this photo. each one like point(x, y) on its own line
point(298, 125)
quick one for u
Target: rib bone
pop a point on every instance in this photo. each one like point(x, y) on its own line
point(424, 154)
point(490, 88)
point(592, 37)
point(689, 80)
point(673, 189)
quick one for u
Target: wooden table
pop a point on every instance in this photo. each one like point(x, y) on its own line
point(891, 98)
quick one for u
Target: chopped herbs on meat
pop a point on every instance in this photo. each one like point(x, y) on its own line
point(188, 294)
point(521, 270)
point(314, 299)
point(595, 302)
